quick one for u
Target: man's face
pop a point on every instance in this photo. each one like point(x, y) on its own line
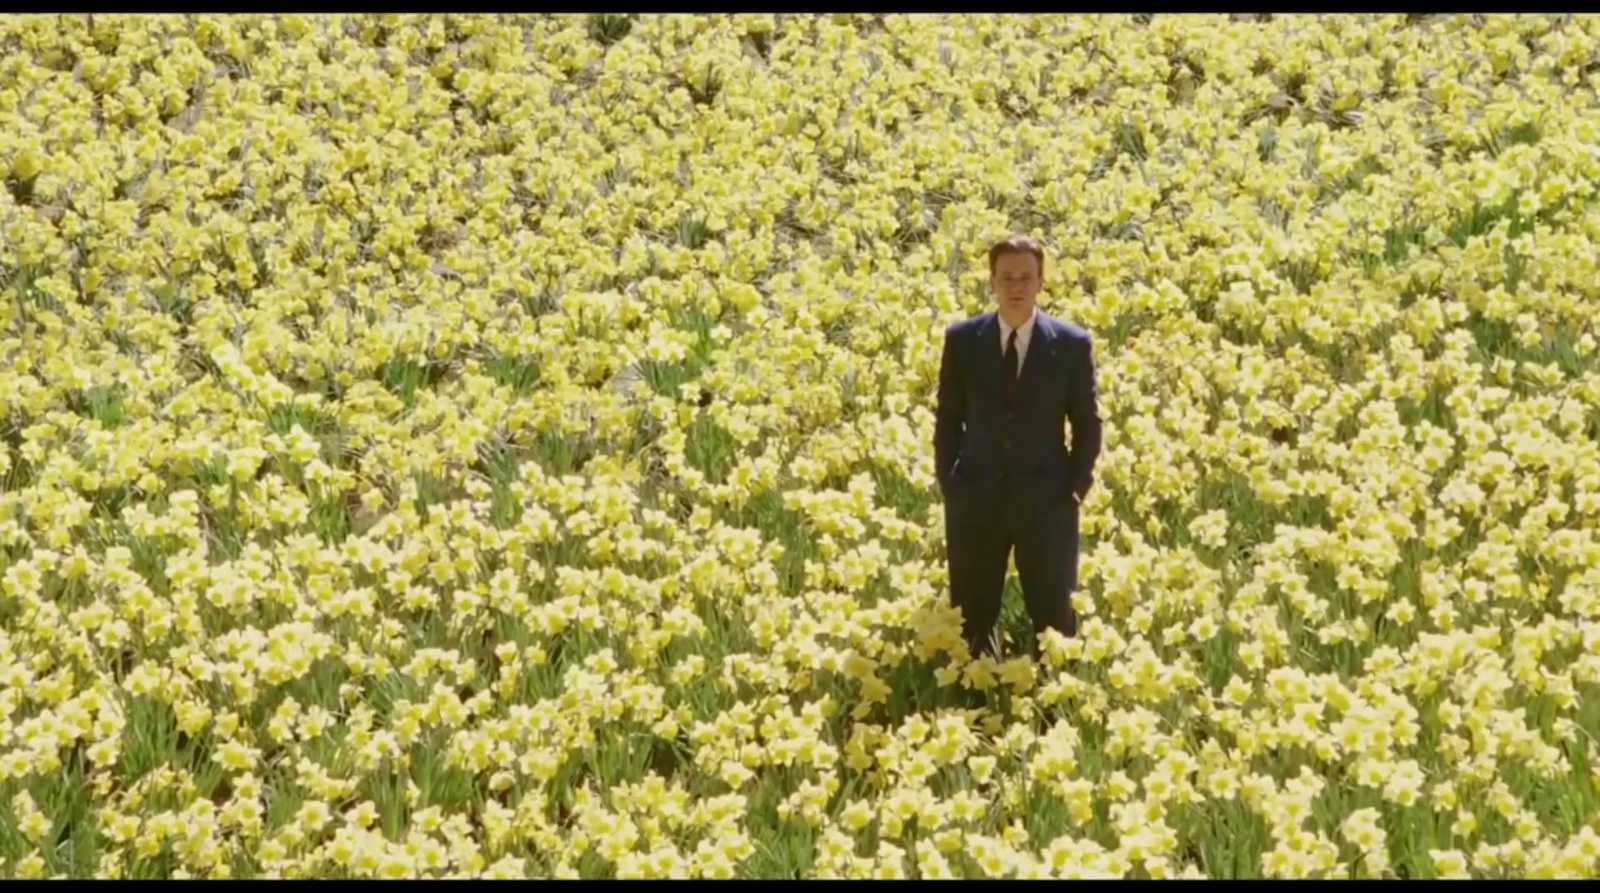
point(1015, 282)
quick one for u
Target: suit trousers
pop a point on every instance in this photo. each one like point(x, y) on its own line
point(982, 529)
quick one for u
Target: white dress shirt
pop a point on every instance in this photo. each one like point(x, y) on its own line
point(1024, 334)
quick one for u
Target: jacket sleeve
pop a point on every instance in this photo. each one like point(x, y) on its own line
point(1083, 411)
point(950, 411)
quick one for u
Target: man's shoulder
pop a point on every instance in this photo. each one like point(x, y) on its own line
point(961, 327)
point(1067, 331)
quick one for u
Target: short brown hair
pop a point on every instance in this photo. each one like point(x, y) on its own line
point(1015, 245)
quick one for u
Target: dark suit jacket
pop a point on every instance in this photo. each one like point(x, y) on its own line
point(975, 442)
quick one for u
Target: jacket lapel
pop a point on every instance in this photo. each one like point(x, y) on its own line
point(1040, 360)
point(990, 366)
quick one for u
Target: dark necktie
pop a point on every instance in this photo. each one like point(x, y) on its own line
point(1011, 366)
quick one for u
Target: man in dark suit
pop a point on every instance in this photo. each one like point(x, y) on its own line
point(1007, 381)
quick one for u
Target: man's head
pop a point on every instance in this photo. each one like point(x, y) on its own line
point(1016, 274)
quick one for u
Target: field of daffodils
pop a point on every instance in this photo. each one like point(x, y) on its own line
point(502, 446)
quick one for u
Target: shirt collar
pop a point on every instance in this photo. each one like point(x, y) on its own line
point(1025, 328)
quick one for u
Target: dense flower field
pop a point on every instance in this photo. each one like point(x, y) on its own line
point(494, 446)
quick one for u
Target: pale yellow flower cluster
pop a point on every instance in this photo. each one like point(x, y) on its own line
point(498, 446)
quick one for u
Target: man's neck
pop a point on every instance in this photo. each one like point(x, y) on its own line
point(1018, 322)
